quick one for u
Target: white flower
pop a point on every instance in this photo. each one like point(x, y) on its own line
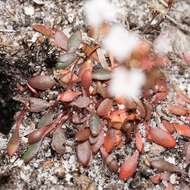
point(120, 42)
point(126, 83)
point(163, 43)
point(99, 11)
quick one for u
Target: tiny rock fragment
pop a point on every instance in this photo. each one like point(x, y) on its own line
point(128, 168)
point(58, 141)
point(82, 135)
point(84, 153)
point(162, 137)
point(29, 10)
point(42, 82)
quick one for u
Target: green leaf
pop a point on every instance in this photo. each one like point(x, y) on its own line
point(46, 119)
point(101, 75)
point(75, 41)
point(31, 151)
point(65, 60)
point(95, 124)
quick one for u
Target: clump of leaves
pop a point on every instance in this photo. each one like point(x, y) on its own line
point(82, 76)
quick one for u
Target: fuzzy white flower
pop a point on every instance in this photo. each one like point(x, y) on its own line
point(99, 11)
point(120, 42)
point(126, 83)
point(163, 43)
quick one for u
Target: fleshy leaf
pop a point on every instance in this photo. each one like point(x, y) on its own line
point(58, 141)
point(46, 119)
point(101, 75)
point(61, 40)
point(13, 144)
point(45, 30)
point(38, 105)
point(74, 41)
point(41, 82)
point(84, 153)
point(66, 60)
point(31, 151)
point(95, 124)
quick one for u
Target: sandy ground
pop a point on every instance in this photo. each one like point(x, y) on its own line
point(49, 170)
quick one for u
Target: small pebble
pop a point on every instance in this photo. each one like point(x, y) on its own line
point(29, 10)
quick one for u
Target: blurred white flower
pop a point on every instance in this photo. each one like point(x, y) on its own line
point(120, 43)
point(163, 43)
point(99, 11)
point(126, 83)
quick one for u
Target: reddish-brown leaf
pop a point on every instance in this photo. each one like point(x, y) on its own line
point(13, 144)
point(141, 50)
point(84, 153)
point(95, 124)
point(86, 75)
point(183, 130)
point(36, 135)
point(66, 76)
point(177, 110)
point(187, 152)
point(82, 135)
point(112, 163)
point(42, 82)
point(129, 166)
point(108, 142)
point(81, 102)
point(169, 126)
point(169, 186)
point(45, 30)
point(139, 141)
point(68, 96)
point(161, 137)
point(105, 107)
point(60, 39)
point(163, 165)
point(155, 179)
point(58, 141)
point(99, 142)
point(117, 118)
point(37, 104)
